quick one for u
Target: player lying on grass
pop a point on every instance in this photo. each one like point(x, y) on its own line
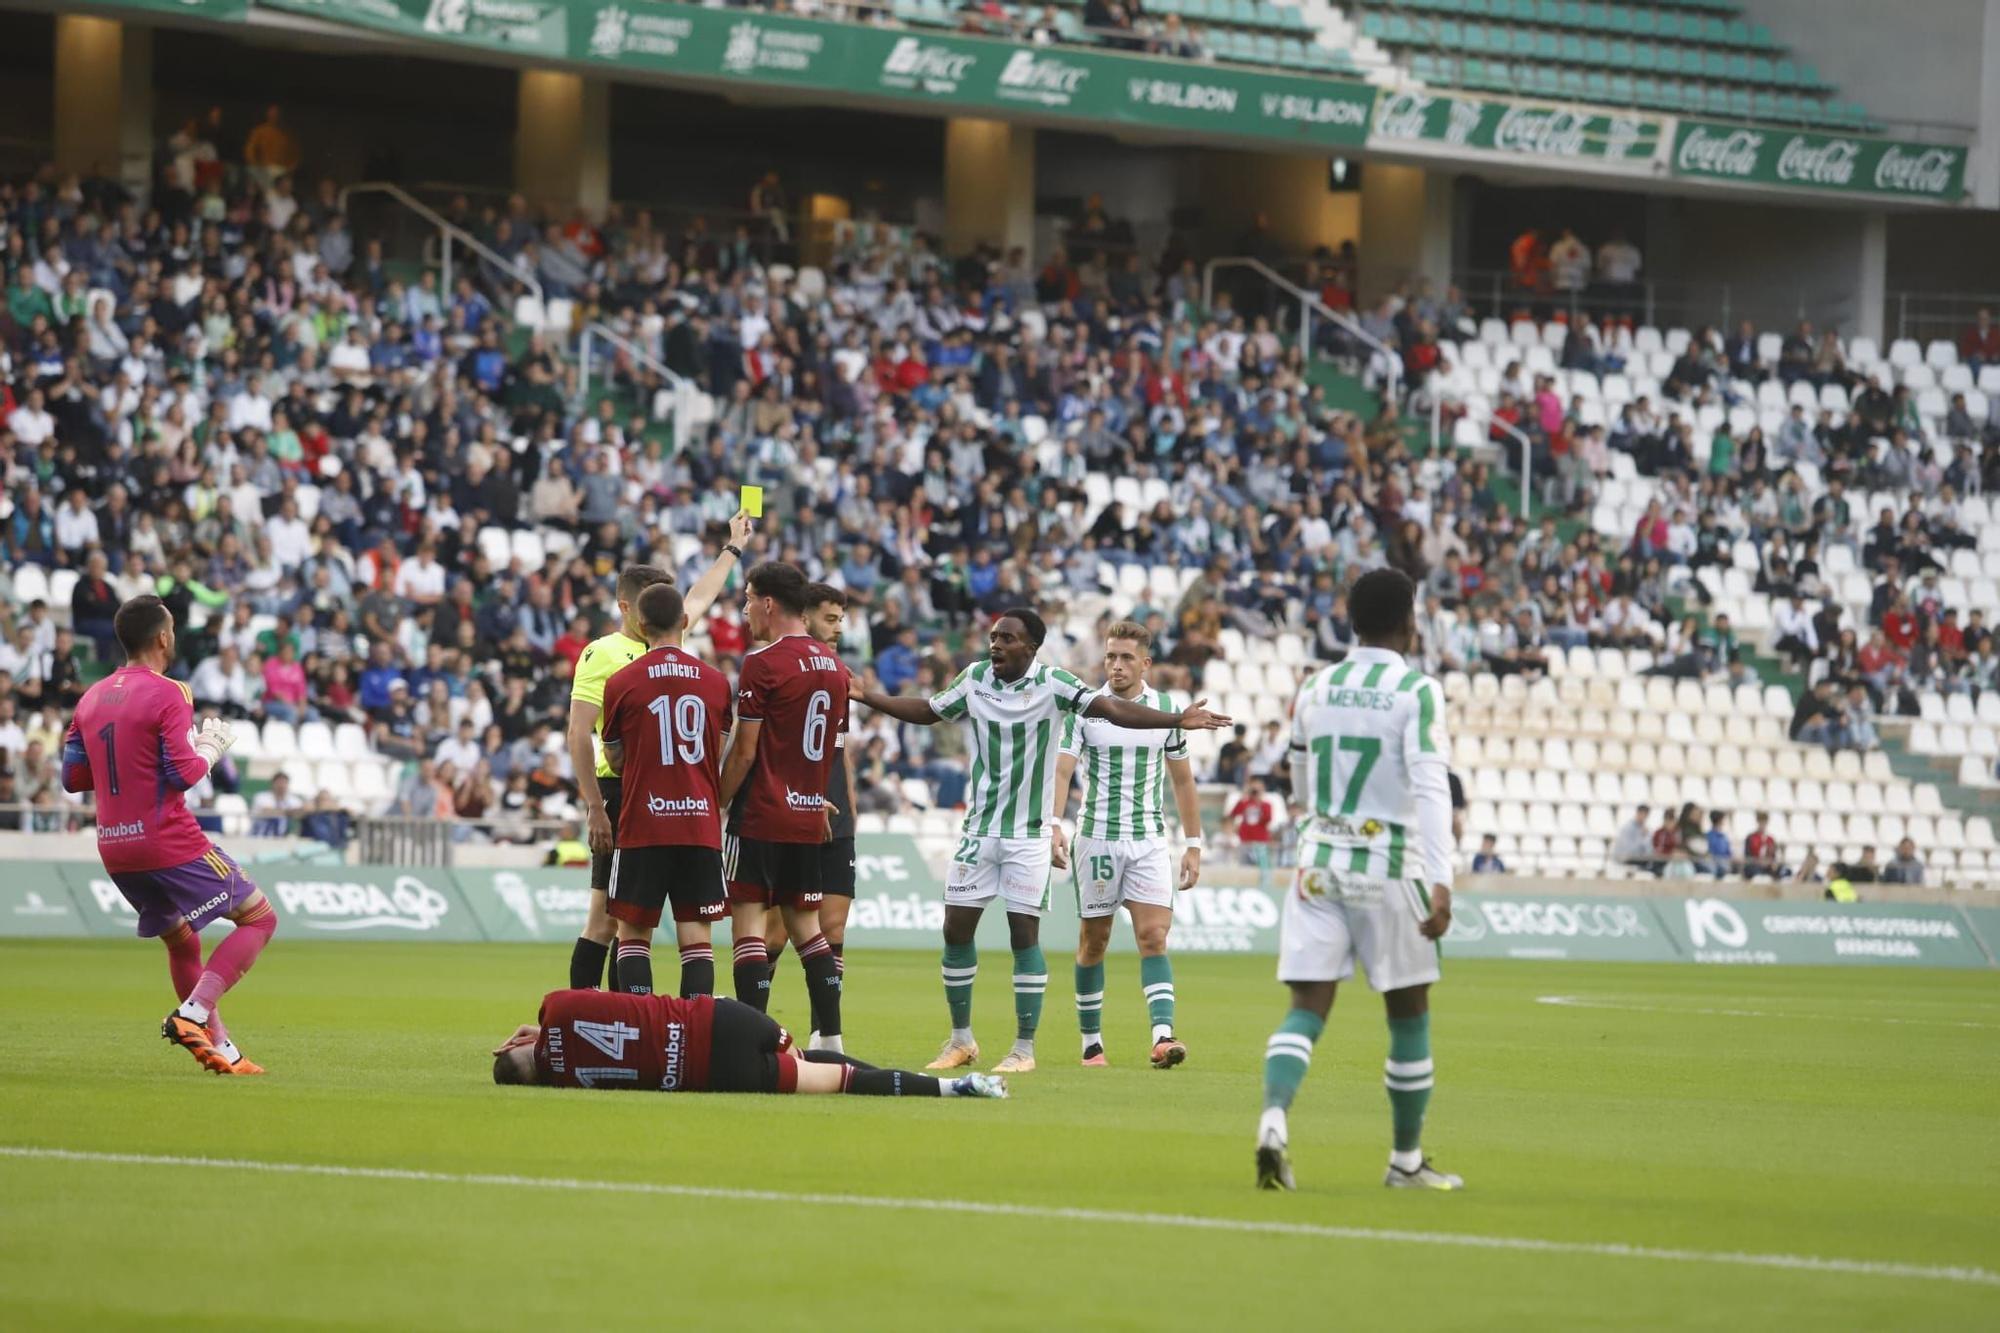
point(660, 1043)
point(1014, 708)
point(1368, 759)
point(133, 742)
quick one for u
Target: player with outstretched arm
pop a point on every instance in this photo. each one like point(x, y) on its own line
point(657, 1043)
point(132, 741)
point(1014, 707)
point(1121, 853)
point(1368, 757)
point(596, 784)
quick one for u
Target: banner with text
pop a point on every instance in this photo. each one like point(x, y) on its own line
point(899, 905)
point(1526, 130)
point(1711, 930)
point(966, 73)
point(530, 27)
point(1760, 155)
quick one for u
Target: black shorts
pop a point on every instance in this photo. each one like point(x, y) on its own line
point(836, 867)
point(646, 879)
point(771, 874)
point(600, 862)
point(749, 1052)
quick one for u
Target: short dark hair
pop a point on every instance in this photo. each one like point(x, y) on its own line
point(506, 1072)
point(139, 621)
point(1037, 631)
point(635, 579)
point(661, 608)
point(819, 594)
point(1381, 602)
point(783, 583)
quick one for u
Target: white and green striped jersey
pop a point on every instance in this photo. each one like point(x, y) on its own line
point(1016, 735)
point(1124, 771)
point(1369, 756)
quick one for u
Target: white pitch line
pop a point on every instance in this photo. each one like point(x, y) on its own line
point(1178, 1221)
point(1585, 1002)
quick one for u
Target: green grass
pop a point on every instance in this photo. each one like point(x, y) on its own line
point(1817, 1128)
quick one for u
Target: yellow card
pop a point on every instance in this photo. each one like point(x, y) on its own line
point(753, 501)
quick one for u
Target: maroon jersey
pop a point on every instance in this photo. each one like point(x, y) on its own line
point(668, 711)
point(797, 688)
point(647, 1043)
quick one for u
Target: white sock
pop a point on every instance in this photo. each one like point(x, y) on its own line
point(1272, 1126)
point(197, 1012)
point(1091, 1039)
point(1162, 1031)
point(948, 1087)
point(828, 1043)
point(963, 1036)
point(1024, 1046)
point(229, 1051)
point(1406, 1161)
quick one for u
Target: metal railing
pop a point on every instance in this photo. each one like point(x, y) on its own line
point(683, 389)
point(449, 233)
point(1925, 316)
point(1438, 396)
point(1308, 303)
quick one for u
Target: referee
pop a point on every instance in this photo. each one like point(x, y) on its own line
point(590, 958)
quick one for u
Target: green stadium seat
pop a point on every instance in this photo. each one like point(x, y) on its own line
point(1809, 78)
point(1572, 13)
point(1764, 106)
point(1714, 31)
point(1571, 50)
point(1646, 91)
point(1618, 55)
point(1669, 59)
point(1737, 33)
point(1478, 7)
point(1618, 18)
point(1572, 83)
point(1645, 23)
point(1596, 86)
point(1621, 89)
point(1670, 26)
point(1715, 65)
point(1450, 35)
point(1596, 51)
point(1761, 71)
point(1546, 46)
point(1760, 37)
point(1739, 103)
point(1739, 68)
point(1265, 49)
point(1645, 56)
point(1374, 25)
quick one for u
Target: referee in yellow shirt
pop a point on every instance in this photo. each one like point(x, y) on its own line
point(591, 956)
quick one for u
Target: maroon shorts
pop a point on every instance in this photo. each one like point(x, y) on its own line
point(645, 879)
point(772, 874)
point(208, 887)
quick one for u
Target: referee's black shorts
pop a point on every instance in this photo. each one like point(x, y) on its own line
point(600, 862)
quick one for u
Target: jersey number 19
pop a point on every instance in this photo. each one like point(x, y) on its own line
point(689, 721)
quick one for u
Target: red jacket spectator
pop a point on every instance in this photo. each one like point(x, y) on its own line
point(1253, 819)
point(1981, 342)
point(1901, 629)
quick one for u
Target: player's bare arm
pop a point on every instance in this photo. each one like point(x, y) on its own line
point(1180, 775)
point(583, 762)
point(1059, 802)
point(1195, 717)
point(742, 757)
point(914, 710)
point(716, 577)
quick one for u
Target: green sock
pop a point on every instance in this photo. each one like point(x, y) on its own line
point(1287, 1054)
point(1156, 975)
point(961, 965)
point(1090, 1001)
point(1031, 982)
point(1407, 1075)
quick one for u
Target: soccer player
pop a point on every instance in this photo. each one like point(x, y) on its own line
point(826, 616)
point(1368, 761)
point(1014, 706)
point(1120, 854)
point(133, 741)
point(654, 1043)
point(664, 719)
point(791, 708)
point(596, 784)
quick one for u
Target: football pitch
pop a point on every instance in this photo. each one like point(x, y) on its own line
point(1671, 1147)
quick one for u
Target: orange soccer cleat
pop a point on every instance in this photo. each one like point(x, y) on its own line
point(243, 1068)
point(192, 1037)
point(1168, 1052)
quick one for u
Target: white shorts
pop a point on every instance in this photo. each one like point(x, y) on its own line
point(1333, 919)
point(1016, 869)
point(1127, 870)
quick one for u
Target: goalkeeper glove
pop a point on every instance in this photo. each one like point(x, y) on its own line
point(214, 739)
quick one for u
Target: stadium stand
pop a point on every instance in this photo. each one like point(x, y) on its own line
point(1696, 57)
